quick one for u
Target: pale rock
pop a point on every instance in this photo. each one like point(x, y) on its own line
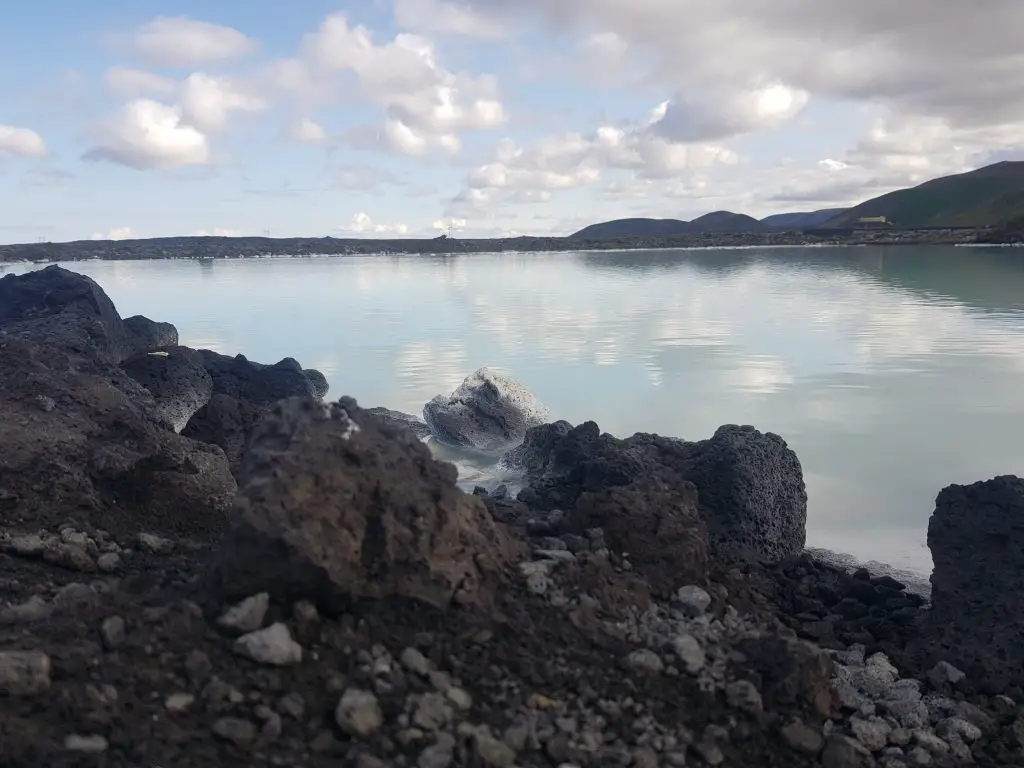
point(358, 713)
point(694, 600)
point(644, 661)
point(93, 744)
point(179, 702)
point(24, 673)
point(157, 545)
point(248, 615)
point(873, 732)
point(273, 645)
point(690, 652)
point(415, 661)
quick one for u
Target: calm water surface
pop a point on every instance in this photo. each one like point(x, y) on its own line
point(891, 372)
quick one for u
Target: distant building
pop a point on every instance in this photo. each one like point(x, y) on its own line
point(872, 220)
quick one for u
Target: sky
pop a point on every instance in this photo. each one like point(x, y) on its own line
point(385, 118)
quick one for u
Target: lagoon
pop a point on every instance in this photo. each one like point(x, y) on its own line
point(891, 372)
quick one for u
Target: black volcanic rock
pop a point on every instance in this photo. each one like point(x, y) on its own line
point(750, 485)
point(976, 536)
point(177, 379)
point(67, 310)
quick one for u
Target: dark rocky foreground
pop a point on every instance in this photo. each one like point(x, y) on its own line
point(204, 564)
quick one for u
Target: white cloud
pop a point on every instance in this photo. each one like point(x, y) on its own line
point(714, 116)
point(443, 225)
point(183, 42)
point(206, 102)
point(425, 106)
point(21, 141)
point(572, 160)
point(363, 224)
point(150, 135)
point(117, 233)
point(439, 17)
point(218, 232)
point(130, 83)
point(307, 132)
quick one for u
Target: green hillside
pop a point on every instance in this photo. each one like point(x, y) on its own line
point(985, 197)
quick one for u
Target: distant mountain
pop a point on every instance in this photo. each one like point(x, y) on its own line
point(611, 230)
point(985, 197)
point(717, 222)
point(801, 219)
point(726, 221)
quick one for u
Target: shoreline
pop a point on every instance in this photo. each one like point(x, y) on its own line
point(203, 248)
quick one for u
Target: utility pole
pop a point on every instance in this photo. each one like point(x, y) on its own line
point(266, 233)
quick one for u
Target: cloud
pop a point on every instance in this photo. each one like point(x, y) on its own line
point(206, 101)
point(308, 132)
point(713, 117)
point(117, 233)
point(22, 142)
point(931, 57)
point(131, 83)
point(572, 160)
point(150, 135)
point(218, 232)
point(363, 224)
point(424, 106)
point(183, 42)
point(445, 18)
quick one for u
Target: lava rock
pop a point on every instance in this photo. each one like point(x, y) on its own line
point(399, 419)
point(335, 505)
point(976, 621)
point(177, 379)
point(489, 412)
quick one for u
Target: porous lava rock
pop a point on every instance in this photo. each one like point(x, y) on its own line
point(976, 622)
point(177, 379)
point(750, 486)
point(489, 412)
point(400, 419)
point(65, 310)
point(243, 392)
point(77, 445)
point(655, 520)
point(335, 504)
point(147, 335)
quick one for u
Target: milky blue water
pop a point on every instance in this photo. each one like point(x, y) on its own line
point(892, 372)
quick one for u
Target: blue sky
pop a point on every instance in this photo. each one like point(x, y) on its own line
point(400, 117)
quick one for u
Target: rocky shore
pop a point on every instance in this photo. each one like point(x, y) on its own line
point(250, 247)
point(204, 563)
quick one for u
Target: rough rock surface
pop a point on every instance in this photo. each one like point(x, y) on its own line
point(79, 436)
point(976, 536)
point(488, 412)
point(750, 484)
point(177, 379)
point(70, 311)
point(655, 521)
point(226, 422)
point(147, 335)
point(752, 493)
point(242, 393)
point(259, 383)
point(399, 419)
point(334, 505)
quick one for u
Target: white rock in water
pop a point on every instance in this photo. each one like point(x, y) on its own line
point(489, 412)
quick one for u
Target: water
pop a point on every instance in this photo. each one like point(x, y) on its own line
point(892, 372)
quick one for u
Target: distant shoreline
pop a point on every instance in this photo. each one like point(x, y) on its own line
point(250, 247)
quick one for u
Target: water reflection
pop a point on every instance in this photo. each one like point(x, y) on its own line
point(879, 366)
